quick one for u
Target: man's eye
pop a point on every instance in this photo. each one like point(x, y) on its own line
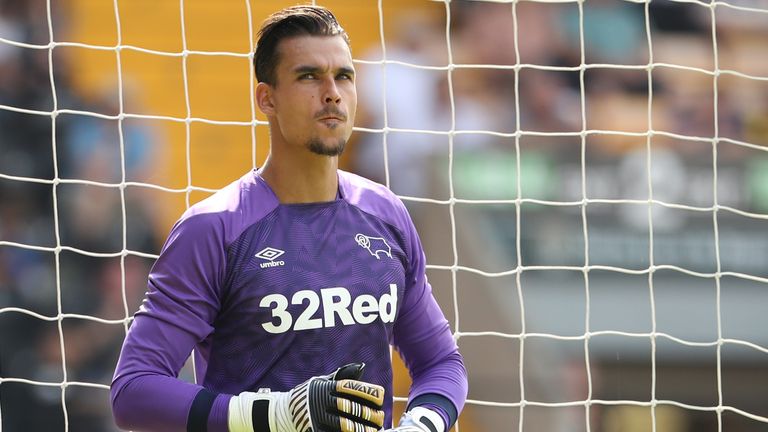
point(308, 76)
point(344, 76)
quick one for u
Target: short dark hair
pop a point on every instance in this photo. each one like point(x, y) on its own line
point(301, 20)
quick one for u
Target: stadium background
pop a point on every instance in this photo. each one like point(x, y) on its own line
point(556, 167)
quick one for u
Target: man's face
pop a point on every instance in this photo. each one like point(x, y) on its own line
point(315, 97)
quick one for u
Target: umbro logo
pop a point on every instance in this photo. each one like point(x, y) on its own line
point(270, 255)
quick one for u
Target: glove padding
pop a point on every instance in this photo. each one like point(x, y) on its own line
point(419, 419)
point(337, 402)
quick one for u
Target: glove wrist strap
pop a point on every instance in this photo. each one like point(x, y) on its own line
point(426, 419)
point(242, 409)
point(280, 419)
point(240, 412)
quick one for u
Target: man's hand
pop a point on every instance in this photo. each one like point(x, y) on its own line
point(337, 402)
point(420, 420)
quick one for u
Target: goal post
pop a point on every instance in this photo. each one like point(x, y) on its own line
point(588, 179)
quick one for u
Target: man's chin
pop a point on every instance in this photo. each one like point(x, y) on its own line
point(327, 149)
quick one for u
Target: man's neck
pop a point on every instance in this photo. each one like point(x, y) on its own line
point(305, 179)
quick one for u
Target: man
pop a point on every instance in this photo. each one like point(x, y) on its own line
point(289, 273)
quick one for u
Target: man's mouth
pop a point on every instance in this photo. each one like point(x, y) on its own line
point(331, 115)
point(332, 118)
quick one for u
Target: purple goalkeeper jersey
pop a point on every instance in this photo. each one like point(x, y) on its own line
point(271, 294)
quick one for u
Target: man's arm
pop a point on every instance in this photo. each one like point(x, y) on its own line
point(423, 338)
point(439, 379)
point(145, 397)
point(181, 303)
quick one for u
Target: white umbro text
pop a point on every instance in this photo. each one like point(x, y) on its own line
point(270, 254)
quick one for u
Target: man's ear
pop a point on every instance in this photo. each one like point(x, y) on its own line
point(264, 98)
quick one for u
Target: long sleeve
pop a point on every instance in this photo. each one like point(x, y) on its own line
point(423, 338)
point(176, 315)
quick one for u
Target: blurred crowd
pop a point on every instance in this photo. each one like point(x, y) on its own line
point(543, 99)
point(76, 216)
point(550, 102)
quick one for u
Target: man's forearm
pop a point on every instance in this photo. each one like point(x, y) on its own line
point(162, 403)
point(444, 384)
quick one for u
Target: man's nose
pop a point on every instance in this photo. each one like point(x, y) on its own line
point(331, 92)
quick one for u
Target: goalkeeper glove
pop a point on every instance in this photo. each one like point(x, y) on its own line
point(337, 402)
point(420, 419)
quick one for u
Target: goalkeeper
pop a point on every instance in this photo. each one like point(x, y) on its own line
point(291, 278)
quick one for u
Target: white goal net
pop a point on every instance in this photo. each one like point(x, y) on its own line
point(589, 179)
